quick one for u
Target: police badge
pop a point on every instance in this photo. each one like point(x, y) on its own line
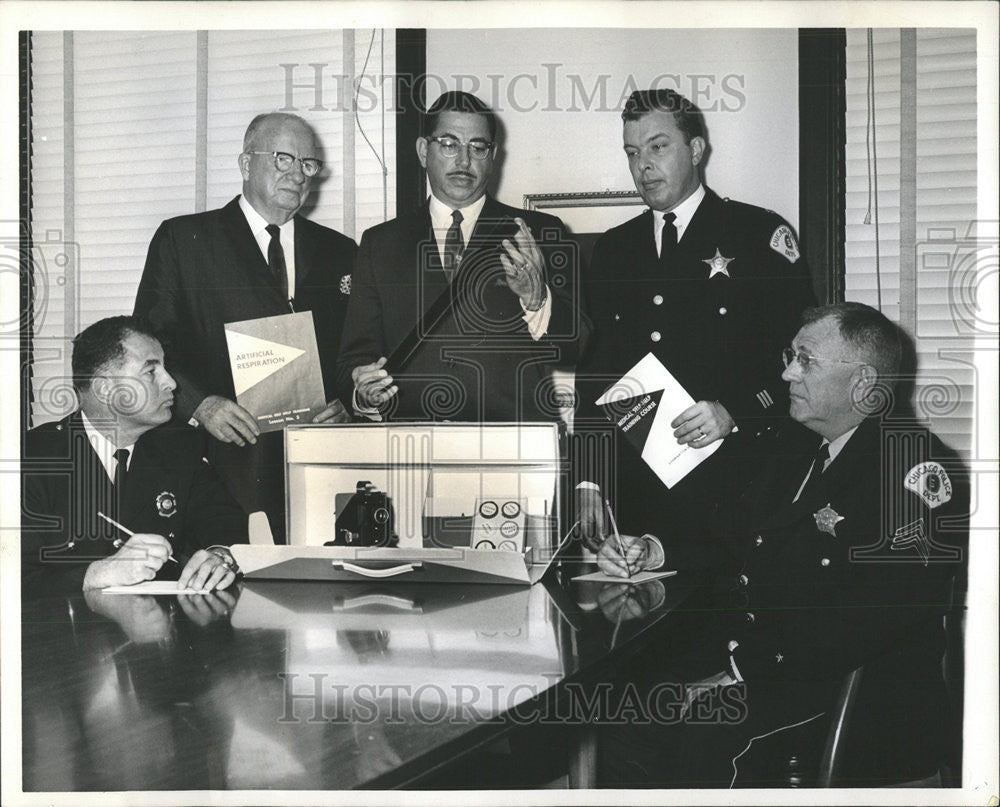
point(827, 520)
point(166, 504)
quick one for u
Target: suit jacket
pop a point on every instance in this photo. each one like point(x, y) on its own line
point(206, 269)
point(170, 491)
point(720, 336)
point(480, 362)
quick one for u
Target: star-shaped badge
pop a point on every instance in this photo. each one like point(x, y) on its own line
point(718, 264)
point(827, 520)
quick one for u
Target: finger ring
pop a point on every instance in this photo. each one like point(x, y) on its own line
point(701, 433)
point(521, 267)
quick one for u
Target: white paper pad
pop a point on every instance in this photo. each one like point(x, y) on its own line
point(634, 580)
point(668, 460)
point(155, 587)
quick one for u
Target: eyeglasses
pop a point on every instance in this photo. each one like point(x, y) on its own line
point(790, 354)
point(283, 162)
point(449, 146)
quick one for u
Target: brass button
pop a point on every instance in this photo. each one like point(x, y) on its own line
point(758, 540)
point(750, 617)
point(655, 336)
point(824, 562)
point(658, 299)
point(743, 579)
point(723, 311)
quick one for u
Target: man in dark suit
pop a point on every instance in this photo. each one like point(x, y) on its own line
point(472, 300)
point(114, 455)
point(713, 289)
point(850, 538)
point(253, 258)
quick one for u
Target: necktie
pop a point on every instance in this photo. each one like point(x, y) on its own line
point(668, 240)
point(121, 469)
point(815, 471)
point(454, 245)
point(276, 259)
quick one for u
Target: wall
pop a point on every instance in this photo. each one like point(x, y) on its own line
point(560, 93)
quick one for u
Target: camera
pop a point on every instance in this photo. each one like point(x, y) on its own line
point(365, 518)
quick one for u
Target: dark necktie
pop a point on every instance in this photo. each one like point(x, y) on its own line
point(454, 245)
point(668, 242)
point(121, 469)
point(816, 471)
point(276, 259)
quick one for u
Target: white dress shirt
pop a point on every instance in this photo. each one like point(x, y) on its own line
point(105, 449)
point(286, 235)
point(684, 212)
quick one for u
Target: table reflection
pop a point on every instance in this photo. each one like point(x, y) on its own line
point(294, 685)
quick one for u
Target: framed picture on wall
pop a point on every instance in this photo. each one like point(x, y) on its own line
point(589, 214)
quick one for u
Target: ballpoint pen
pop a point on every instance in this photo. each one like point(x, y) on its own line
point(618, 538)
point(127, 531)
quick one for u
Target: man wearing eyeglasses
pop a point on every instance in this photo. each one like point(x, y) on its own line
point(848, 543)
point(255, 257)
point(460, 309)
point(712, 288)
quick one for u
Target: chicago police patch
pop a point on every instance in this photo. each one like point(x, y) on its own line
point(783, 242)
point(930, 482)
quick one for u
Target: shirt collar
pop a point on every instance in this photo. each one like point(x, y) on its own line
point(837, 445)
point(103, 447)
point(683, 213)
point(258, 224)
point(441, 213)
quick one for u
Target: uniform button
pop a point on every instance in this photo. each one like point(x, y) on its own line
point(824, 562)
point(723, 311)
point(743, 579)
point(655, 336)
point(658, 299)
point(758, 540)
point(750, 617)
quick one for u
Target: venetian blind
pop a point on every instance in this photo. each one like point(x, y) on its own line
point(130, 128)
point(919, 148)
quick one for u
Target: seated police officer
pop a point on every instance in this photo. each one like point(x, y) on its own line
point(112, 496)
point(854, 532)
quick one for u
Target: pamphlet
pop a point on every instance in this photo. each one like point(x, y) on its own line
point(276, 370)
point(642, 404)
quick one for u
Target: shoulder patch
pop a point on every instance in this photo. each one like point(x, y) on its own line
point(345, 284)
point(783, 242)
point(930, 482)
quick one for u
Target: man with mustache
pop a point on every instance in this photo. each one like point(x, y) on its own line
point(115, 455)
point(468, 300)
point(713, 289)
point(255, 257)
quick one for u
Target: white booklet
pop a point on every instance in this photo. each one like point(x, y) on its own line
point(642, 403)
point(153, 587)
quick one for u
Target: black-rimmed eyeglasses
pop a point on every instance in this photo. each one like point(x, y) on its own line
point(478, 149)
point(283, 162)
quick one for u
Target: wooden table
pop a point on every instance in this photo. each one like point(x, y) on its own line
point(304, 685)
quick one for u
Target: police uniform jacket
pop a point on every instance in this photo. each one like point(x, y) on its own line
point(170, 490)
point(477, 361)
point(717, 313)
point(860, 567)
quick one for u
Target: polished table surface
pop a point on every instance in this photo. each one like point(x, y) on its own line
point(308, 685)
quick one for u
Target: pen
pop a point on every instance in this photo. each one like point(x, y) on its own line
point(618, 538)
point(127, 531)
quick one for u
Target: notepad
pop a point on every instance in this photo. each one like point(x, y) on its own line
point(155, 587)
point(634, 580)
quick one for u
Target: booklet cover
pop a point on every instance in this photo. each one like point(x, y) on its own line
point(276, 371)
point(642, 403)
